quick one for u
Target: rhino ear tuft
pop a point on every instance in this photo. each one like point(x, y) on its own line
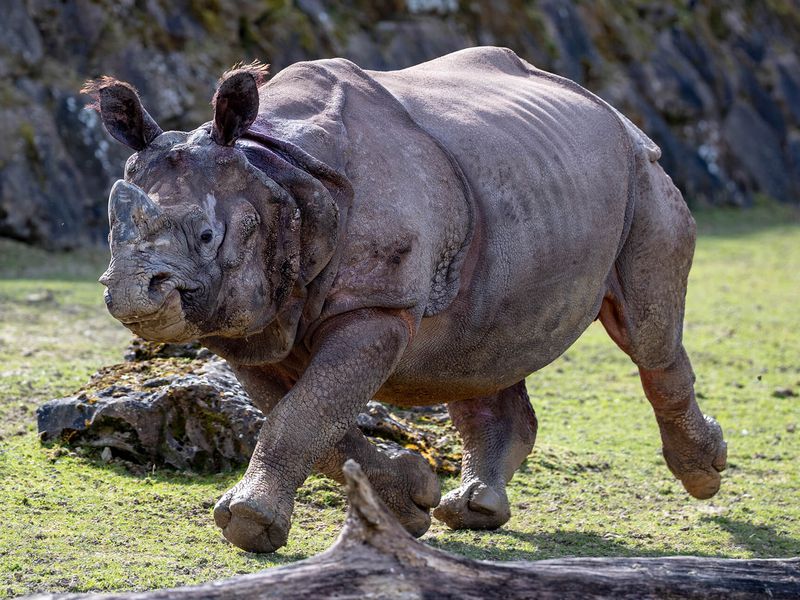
point(122, 112)
point(256, 68)
point(236, 103)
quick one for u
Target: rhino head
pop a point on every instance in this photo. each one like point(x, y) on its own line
point(211, 234)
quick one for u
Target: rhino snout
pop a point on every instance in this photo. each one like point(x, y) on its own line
point(132, 299)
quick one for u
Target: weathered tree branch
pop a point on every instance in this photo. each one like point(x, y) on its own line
point(374, 557)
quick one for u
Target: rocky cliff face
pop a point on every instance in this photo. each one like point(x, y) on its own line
point(717, 85)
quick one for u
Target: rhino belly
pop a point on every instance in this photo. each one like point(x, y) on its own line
point(509, 321)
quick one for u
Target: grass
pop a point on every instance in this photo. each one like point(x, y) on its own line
point(594, 485)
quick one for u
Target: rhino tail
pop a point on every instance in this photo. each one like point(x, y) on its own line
point(639, 138)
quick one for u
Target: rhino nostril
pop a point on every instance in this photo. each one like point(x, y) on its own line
point(107, 298)
point(157, 280)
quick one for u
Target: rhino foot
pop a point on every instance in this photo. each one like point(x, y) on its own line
point(697, 463)
point(474, 506)
point(251, 520)
point(409, 488)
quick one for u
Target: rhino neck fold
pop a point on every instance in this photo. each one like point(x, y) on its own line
point(270, 345)
point(323, 197)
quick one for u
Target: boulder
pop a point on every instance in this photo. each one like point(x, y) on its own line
point(186, 415)
point(757, 150)
point(179, 406)
point(576, 56)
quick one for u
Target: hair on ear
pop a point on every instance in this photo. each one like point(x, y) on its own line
point(122, 112)
point(92, 88)
point(258, 69)
point(236, 101)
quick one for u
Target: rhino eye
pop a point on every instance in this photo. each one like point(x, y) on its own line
point(206, 236)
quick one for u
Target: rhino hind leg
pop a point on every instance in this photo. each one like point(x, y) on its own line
point(498, 433)
point(692, 443)
point(404, 481)
point(643, 313)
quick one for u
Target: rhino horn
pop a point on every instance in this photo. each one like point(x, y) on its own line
point(130, 211)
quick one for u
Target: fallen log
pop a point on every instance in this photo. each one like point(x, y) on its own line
point(374, 557)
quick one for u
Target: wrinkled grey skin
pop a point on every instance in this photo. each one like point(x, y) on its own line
point(428, 235)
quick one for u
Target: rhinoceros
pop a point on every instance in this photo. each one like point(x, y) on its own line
point(428, 235)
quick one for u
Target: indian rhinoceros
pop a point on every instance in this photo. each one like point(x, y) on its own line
point(428, 235)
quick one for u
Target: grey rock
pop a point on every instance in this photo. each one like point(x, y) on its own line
point(757, 150)
point(793, 151)
point(674, 87)
point(199, 421)
point(577, 57)
point(398, 44)
point(788, 67)
point(703, 61)
point(41, 195)
point(140, 350)
point(20, 42)
point(93, 157)
point(760, 99)
point(177, 405)
point(406, 43)
point(435, 6)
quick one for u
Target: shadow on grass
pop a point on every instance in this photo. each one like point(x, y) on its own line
point(762, 540)
point(559, 544)
point(154, 473)
point(274, 559)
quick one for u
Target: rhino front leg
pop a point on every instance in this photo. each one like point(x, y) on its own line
point(405, 482)
point(351, 358)
point(498, 433)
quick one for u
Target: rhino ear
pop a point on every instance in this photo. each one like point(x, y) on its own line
point(236, 103)
point(122, 112)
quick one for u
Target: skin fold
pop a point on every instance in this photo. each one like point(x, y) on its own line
point(428, 235)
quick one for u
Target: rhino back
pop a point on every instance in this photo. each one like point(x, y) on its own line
point(536, 149)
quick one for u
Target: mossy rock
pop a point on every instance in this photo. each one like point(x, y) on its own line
point(178, 405)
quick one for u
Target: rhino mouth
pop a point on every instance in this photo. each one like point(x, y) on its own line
point(165, 324)
point(172, 301)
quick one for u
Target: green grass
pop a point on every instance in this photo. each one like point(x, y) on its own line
point(594, 485)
